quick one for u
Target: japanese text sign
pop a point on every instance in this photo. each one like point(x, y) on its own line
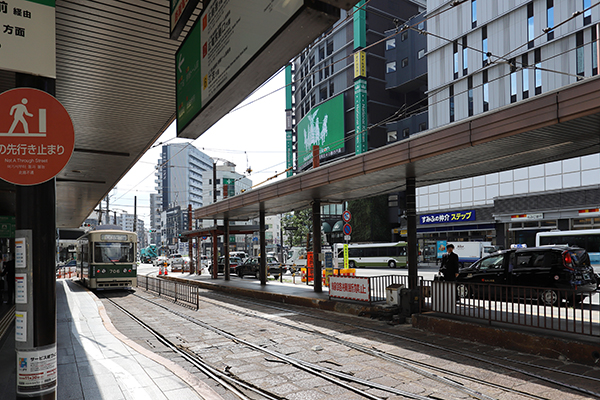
point(448, 217)
point(36, 136)
point(350, 287)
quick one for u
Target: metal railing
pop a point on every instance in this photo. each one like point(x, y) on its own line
point(544, 308)
point(379, 285)
point(180, 292)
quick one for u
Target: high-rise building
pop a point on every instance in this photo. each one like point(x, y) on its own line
point(180, 174)
point(340, 98)
point(484, 55)
point(228, 183)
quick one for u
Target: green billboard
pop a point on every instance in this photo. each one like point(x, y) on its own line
point(322, 126)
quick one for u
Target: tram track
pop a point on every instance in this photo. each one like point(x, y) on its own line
point(405, 361)
point(347, 381)
point(408, 362)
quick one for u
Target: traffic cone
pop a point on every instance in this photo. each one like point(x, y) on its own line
point(166, 273)
point(160, 270)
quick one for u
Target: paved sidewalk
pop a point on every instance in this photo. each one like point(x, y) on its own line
point(96, 362)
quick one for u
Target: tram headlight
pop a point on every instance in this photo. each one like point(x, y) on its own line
point(103, 271)
point(124, 270)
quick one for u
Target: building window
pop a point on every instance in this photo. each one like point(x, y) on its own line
point(326, 72)
point(404, 62)
point(486, 91)
point(587, 14)
point(484, 46)
point(392, 136)
point(390, 67)
point(451, 98)
point(321, 53)
point(550, 18)
point(530, 26)
point(579, 54)
point(455, 58)
point(538, 70)
point(473, 14)
point(323, 93)
point(421, 54)
point(329, 47)
point(312, 100)
point(465, 56)
point(405, 133)
point(422, 126)
point(525, 69)
point(331, 88)
point(470, 95)
point(421, 25)
point(311, 61)
point(404, 35)
point(390, 44)
point(595, 50)
point(513, 80)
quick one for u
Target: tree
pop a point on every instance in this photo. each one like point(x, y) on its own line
point(297, 226)
point(370, 221)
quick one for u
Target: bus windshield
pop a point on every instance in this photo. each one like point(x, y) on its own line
point(106, 252)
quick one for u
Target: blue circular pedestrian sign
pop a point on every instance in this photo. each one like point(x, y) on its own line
point(347, 229)
point(346, 216)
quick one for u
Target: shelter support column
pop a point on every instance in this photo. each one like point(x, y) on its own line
point(36, 222)
point(263, 248)
point(411, 220)
point(316, 220)
point(226, 272)
point(215, 255)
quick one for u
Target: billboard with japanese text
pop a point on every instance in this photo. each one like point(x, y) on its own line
point(322, 126)
point(448, 217)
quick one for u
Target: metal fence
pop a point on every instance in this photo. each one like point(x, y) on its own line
point(379, 285)
point(544, 308)
point(180, 292)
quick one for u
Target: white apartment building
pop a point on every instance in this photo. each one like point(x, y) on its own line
point(487, 54)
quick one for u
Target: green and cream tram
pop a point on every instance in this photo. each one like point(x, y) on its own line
point(106, 258)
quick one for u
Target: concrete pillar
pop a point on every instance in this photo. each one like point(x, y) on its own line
point(36, 221)
point(316, 221)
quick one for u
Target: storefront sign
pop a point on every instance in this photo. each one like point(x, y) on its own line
point(449, 217)
point(527, 217)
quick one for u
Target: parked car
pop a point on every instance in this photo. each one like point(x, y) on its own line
point(563, 273)
point(252, 267)
point(239, 254)
point(159, 261)
point(233, 263)
point(176, 262)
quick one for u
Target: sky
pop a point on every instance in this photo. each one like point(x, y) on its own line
point(252, 136)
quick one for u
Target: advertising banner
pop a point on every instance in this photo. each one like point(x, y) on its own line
point(322, 126)
point(28, 37)
point(441, 248)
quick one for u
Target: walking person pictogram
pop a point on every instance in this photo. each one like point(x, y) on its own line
point(20, 111)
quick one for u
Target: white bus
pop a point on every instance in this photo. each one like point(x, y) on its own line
point(372, 254)
point(588, 239)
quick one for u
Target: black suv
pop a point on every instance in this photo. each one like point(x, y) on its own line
point(557, 272)
point(251, 266)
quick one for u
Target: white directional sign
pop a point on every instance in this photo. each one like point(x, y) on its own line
point(28, 37)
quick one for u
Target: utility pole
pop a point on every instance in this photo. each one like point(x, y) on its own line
point(135, 213)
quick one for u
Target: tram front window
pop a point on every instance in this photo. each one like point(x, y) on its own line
point(113, 252)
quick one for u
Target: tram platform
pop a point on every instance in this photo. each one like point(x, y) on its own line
point(95, 361)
